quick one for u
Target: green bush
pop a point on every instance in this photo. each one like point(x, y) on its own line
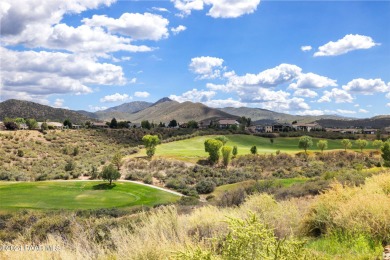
point(205, 186)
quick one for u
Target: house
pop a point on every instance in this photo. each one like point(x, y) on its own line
point(344, 130)
point(282, 128)
point(306, 127)
point(261, 128)
point(55, 125)
point(76, 126)
point(99, 125)
point(370, 131)
point(227, 123)
point(23, 126)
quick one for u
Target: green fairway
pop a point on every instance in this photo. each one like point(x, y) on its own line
point(79, 195)
point(193, 149)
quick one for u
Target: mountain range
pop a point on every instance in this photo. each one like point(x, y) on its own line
point(166, 109)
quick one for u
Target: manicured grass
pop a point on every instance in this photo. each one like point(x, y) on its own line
point(79, 195)
point(193, 149)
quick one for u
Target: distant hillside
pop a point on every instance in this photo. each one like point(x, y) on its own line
point(121, 112)
point(374, 122)
point(26, 109)
point(165, 110)
point(267, 116)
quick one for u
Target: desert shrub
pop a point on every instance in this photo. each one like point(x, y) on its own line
point(70, 165)
point(205, 186)
point(351, 210)
point(20, 153)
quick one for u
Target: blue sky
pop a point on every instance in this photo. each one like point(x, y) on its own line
point(299, 57)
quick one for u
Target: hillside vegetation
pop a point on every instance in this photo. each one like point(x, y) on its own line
point(25, 109)
point(341, 223)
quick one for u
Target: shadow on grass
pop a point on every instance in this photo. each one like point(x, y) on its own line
point(103, 186)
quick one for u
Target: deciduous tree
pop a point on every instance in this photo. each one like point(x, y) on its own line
point(254, 149)
point(322, 145)
point(110, 174)
point(117, 160)
point(361, 143)
point(226, 155)
point(31, 123)
point(235, 151)
point(346, 143)
point(378, 144)
point(305, 142)
point(150, 142)
point(212, 147)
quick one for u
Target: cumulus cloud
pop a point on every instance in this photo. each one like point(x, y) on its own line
point(366, 86)
point(388, 104)
point(39, 74)
point(338, 95)
point(311, 113)
point(59, 102)
point(194, 95)
point(363, 111)
point(138, 26)
point(306, 48)
point(219, 8)
point(350, 42)
point(342, 111)
point(18, 16)
point(312, 81)
point(177, 30)
point(115, 98)
point(206, 67)
point(96, 108)
point(305, 93)
point(230, 102)
point(287, 105)
point(280, 74)
point(142, 94)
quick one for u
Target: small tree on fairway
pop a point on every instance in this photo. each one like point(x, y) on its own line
point(212, 147)
point(150, 142)
point(117, 160)
point(361, 143)
point(109, 173)
point(254, 149)
point(271, 141)
point(346, 143)
point(222, 138)
point(226, 155)
point(386, 153)
point(235, 151)
point(378, 144)
point(322, 145)
point(305, 142)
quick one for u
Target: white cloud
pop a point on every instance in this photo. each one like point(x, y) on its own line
point(231, 9)
point(186, 6)
point(18, 16)
point(311, 113)
point(305, 93)
point(194, 96)
point(59, 102)
point(138, 26)
point(224, 103)
point(366, 86)
point(206, 67)
point(219, 8)
point(306, 48)
point(133, 81)
point(268, 78)
point(388, 95)
point(96, 108)
point(177, 30)
point(388, 104)
point(338, 95)
point(312, 81)
point(115, 98)
point(342, 111)
point(349, 43)
point(263, 95)
point(160, 9)
point(293, 104)
point(142, 94)
point(35, 75)
point(363, 111)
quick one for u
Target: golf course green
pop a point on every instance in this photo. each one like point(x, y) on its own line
point(74, 195)
point(193, 149)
